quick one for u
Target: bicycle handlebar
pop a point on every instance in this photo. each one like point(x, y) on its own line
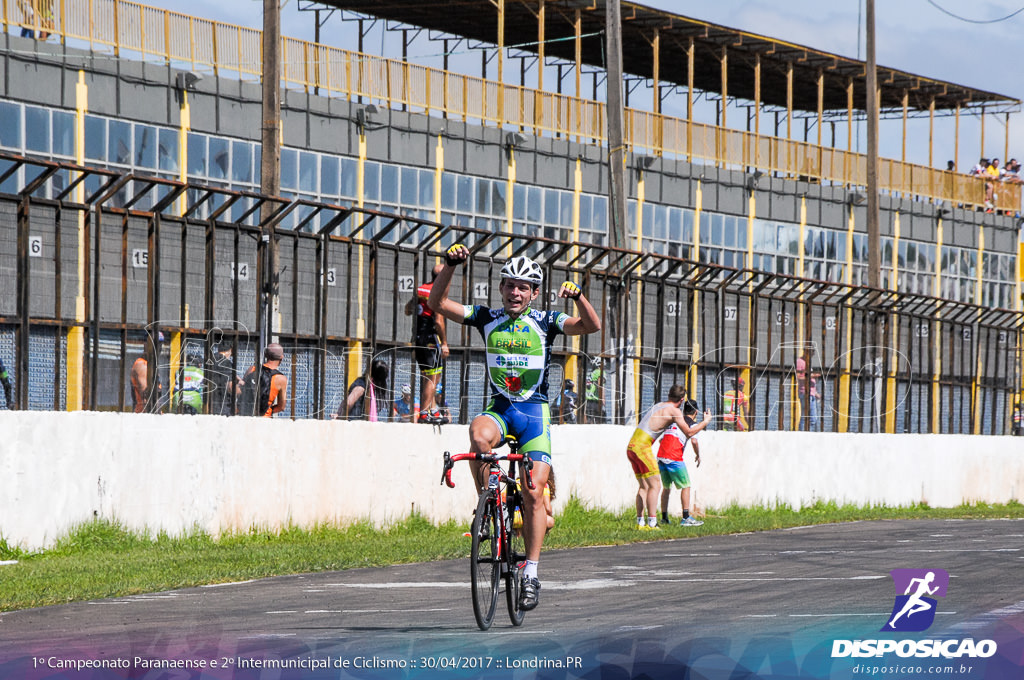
point(492, 457)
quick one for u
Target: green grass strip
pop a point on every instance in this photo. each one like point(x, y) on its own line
point(102, 559)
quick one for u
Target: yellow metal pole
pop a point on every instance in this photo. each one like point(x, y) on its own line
point(695, 321)
point(844, 377)
point(578, 32)
point(757, 111)
point(789, 118)
point(956, 137)
point(501, 63)
point(577, 192)
point(509, 196)
point(438, 172)
point(890, 389)
point(541, 54)
point(976, 379)
point(656, 75)
point(935, 327)
point(689, 100)
point(355, 365)
point(931, 133)
point(797, 413)
point(76, 335)
point(903, 156)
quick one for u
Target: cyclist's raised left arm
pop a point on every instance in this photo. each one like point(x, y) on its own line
point(586, 320)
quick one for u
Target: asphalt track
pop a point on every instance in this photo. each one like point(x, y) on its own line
point(608, 607)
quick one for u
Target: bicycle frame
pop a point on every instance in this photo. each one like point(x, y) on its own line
point(494, 539)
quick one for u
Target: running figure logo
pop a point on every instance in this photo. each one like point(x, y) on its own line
point(914, 608)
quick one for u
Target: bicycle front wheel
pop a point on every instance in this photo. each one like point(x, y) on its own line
point(485, 564)
point(515, 555)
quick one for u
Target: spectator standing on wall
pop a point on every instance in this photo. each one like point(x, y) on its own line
point(734, 403)
point(374, 396)
point(807, 387)
point(5, 380)
point(265, 388)
point(188, 393)
point(144, 397)
point(227, 387)
point(431, 347)
point(401, 409)
point(593, 406)
point(442, 406)
point(568, 402)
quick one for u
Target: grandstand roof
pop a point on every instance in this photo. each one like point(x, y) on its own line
point(478, 20)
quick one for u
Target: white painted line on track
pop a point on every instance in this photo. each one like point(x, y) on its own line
point(231, 583)
point(374, 611)
point(963, 550)
point(411, 584)
point(841, 615)
point(990, 617)
point(267, 636)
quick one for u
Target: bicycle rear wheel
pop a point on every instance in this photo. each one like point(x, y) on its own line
point(485, 565)
point(515, 554)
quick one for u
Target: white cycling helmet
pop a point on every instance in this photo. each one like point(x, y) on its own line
point(523, 268)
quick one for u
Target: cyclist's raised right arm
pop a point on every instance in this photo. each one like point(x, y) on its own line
point(439, 300)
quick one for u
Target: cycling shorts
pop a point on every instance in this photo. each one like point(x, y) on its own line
point(640, 455)
point(673, 473)
point(428, 355)
point(528, 422)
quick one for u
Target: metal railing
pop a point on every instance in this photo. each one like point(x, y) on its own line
point(187, 41)
point(104, 262)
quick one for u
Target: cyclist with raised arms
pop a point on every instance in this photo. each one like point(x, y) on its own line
point(518, 343)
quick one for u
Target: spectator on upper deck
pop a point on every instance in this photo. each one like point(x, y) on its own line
point(979, 168)
point(991, 175)
point(1011, 173)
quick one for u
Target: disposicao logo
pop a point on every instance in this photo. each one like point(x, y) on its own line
point(914, 611)
point(915, 605)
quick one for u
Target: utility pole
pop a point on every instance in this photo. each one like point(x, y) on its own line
point(616, 148)
point(874, 241)
point(270, 163)
point(618, 300)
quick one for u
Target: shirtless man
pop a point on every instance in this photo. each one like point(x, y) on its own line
point(641, 457)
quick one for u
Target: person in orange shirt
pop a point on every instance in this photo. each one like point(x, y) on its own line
point(265, 392)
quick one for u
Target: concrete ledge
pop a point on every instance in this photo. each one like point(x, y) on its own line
point(175, 473)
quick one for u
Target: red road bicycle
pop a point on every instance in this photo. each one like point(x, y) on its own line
point(498, 548)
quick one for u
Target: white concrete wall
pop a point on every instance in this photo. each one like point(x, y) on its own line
point(173, 473)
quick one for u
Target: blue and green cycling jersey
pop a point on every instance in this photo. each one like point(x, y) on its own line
point(518, 350)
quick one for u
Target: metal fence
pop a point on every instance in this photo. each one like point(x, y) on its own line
point(97, 264)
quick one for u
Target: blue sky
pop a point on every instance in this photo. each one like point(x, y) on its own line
point(912, 35)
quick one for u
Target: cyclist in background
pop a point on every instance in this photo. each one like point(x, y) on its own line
point(5, 379)
point(518, 342)
point(431, 348)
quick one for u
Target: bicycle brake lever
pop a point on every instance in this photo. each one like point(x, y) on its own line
point(446, 470)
